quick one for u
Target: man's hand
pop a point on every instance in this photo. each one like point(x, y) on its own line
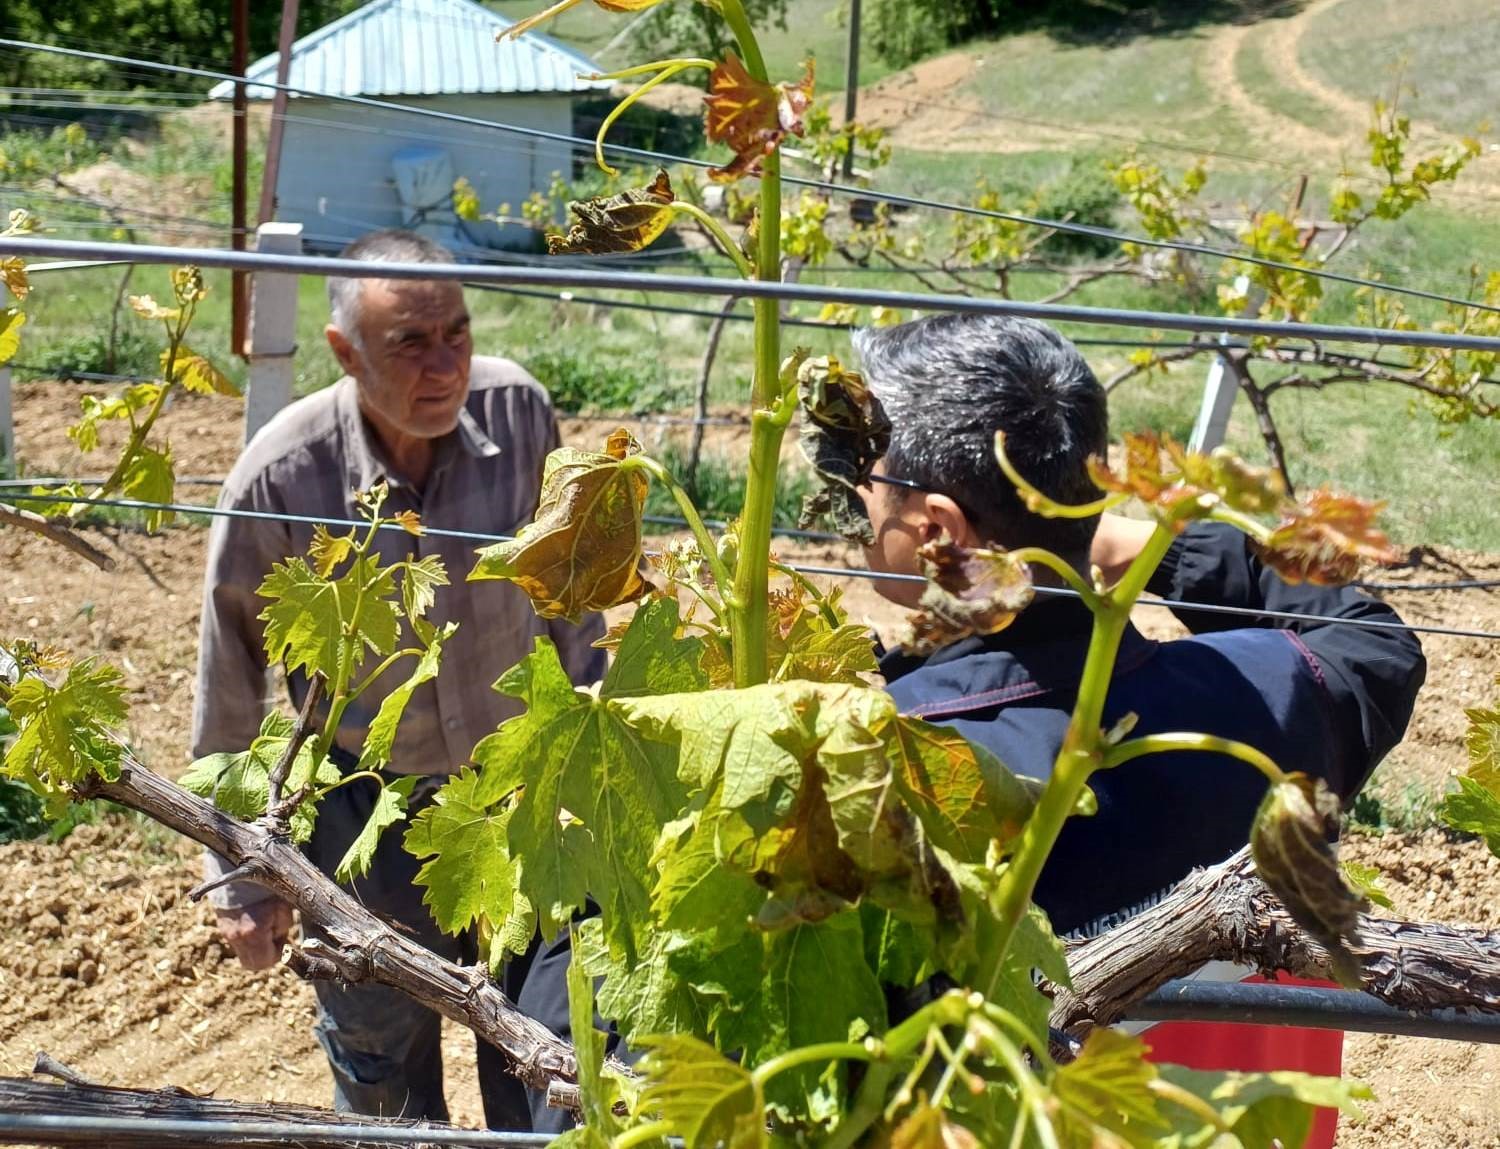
point(257, 932)
point(1117, 543)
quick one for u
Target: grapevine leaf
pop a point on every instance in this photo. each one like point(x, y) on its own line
point(382, 735)
point(582, 552)
point(653, 658)
point(898, 951)
point(1291, 841)
point(197, 373)
point(1107, 1087)
point(707, 1099)
point(1324, 537)
point(239, 784)
point(694, 883)
point(95, 410)
point(1365, 881)
point(589, 1045)
point(149, 477)
point(468, 871)
point(321, 623)
point(328, 550)
point(596, 794)
point(651, 994)
point(521, 27)
point(968, 592)
point(12, 319)
point(1262, 1110)
point(1034, 949)
point(390, 808)
point(1483, 745)
point(927, 1127)
point(1474, 809)
point(752, 116)
point(629, 221)
point(13, 275)
point(819, 653)
point(844, 433)
point(420, 579)
point(785, 1016)
point(147, 308)
point(64, 731)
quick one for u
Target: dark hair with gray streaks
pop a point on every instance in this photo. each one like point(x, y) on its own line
point(392, 245)
point(949, 382)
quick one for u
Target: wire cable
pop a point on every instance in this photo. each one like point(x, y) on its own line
point(820, 185)
point(830, 572)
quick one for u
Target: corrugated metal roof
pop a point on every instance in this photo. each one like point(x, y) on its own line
point(422, 48)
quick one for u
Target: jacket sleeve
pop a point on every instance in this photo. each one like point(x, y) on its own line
point(1371, 673)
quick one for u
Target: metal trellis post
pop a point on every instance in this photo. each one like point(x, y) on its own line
point(273, 328)
point(7, 427)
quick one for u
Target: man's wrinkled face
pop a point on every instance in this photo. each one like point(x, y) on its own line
point(412, 357)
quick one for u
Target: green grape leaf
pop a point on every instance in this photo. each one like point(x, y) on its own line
point(898, 951)
point(1107, 1087)
point(307, 618)
point(694, 885)
point(589, 1046)
point(844, 433)
point(1292, 842)
point(653, 658)
point(1483, 744)
point(468, 871)
point(198, 374)
point(12, 319)
point(819, 653)
point(239, 784)
point(1262, 1110)
point(420, 579)
point(1474, 809)
point(149, 477)
point(707, 1099)
point(1365, 881)
point(64, 731)
point(652, 994)
point(582, 551)
point(95, 410)
point(629, 221)
point(382, 735)
point(390, 808)
point(596, 793)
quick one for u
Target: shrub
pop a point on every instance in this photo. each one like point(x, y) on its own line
point(578, 380)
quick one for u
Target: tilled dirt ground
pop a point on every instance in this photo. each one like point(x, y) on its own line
point(111, 969)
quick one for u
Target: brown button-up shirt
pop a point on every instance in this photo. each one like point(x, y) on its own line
point(309, 460)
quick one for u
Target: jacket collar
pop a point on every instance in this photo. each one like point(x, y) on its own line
point(1042, 652)
point(365, 463)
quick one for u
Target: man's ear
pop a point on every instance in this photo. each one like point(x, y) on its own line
point(946, 517)
point(343, 350)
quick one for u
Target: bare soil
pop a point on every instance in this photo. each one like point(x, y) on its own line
point(111, 969)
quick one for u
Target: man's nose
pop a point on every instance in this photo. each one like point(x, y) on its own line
point(442, 361)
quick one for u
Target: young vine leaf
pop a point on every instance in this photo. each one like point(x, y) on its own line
point(1104, 1096)
point(707, 1099)
point(629, 221)
point(582, 550)
point(12, 319)
point(382, 735)
point(1323, 538)
point(1475, 808)
point(324, 625)
point(64, 730)
point(389, 809)
point(752, 116)
point(197, 373)
point(844, 434)
point(1260, 1110)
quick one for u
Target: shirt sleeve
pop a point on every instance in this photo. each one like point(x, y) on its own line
point(232, 692)
point(1371, 673)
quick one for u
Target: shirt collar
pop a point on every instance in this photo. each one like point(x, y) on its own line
point(364, 461)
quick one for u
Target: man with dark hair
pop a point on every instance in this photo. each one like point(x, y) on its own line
point(459, 440)
point(1320, 697)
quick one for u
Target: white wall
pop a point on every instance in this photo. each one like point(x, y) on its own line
point(336, 177)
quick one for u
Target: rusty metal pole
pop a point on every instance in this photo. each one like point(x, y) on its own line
point(278, 112)
point(238, 297)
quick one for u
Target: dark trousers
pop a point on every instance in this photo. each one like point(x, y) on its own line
point(384, 1048)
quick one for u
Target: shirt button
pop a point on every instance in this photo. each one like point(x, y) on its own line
point(451, 723)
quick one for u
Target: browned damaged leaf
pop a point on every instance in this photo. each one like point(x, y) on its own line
point(1162, 473)
point(844, 433)
point(1324, 538)
point(969, 592)
point(752, 116)
point(582, 552)
point(627, 222)
point(1292, 842)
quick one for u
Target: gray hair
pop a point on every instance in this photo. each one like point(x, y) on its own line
point(950, 382)
point(392, 245)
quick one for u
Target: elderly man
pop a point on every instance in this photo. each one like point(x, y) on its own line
point(1324, 698)
point(460, 440)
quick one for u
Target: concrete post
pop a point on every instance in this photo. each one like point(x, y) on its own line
point(273, 328)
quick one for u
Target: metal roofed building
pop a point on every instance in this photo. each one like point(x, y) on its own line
point(347, 169)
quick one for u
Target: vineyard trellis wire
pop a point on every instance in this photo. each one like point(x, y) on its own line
point(831, 188)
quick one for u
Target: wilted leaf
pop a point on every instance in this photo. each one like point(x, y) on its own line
point(626, 222)
point(707, 1099)
point(751, 116)
point(13, 275)
point(408, 521)
point(1292, 842)
point(844, 433)
point(969, 592)
point(582, 552)
point(12, 319)
point(1323, 539)
point(521, 27)
point(390, 808)
point(197, 373)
